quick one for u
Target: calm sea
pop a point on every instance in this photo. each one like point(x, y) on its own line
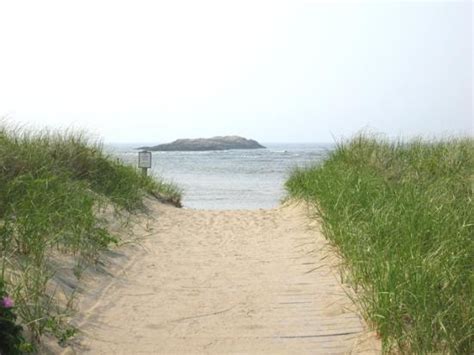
point(233, 179)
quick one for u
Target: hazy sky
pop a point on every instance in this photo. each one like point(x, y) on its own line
point(276, 71)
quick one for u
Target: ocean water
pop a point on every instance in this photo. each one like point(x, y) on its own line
point(232, 179)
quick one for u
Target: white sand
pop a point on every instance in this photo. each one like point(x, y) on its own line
point(218, 282)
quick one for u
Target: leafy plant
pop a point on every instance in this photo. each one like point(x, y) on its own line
point(60, 330)
point(11, 339)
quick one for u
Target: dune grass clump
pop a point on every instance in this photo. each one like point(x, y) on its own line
point(402, 217)
point(53, 186)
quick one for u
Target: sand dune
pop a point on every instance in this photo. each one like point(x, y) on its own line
point(217, 282)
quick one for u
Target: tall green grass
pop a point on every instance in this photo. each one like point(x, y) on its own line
point(53, 186)
point(402, 217)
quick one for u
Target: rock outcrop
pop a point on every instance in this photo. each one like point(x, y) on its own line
point(203, 144)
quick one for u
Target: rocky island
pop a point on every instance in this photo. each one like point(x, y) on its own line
point(203, 144)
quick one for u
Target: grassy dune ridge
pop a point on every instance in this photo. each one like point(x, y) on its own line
point(402, 216)
point(53, 186)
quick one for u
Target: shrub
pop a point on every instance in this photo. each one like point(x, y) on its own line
point(11, 339)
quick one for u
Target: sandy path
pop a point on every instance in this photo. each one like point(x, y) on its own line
point(227, 282)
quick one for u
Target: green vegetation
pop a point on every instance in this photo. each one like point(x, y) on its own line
point(11, 339)
point(402, 216)
point(53, 188)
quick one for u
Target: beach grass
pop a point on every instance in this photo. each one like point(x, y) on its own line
point(53, 187)
point(401, 214)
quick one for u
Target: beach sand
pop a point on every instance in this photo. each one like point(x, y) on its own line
point(219, 282)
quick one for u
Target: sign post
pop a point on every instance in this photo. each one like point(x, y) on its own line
point(144, 161)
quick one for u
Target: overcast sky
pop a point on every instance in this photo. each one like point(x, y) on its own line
point(276, 71)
